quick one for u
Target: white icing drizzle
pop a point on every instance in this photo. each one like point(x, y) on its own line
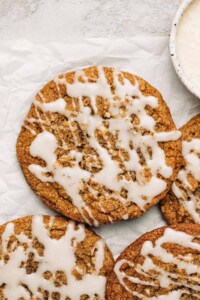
point(162, 278)
point(189, 200)
point(141, 191)
point(174, 295)
point(58, 255)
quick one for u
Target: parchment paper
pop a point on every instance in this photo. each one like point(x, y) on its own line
point(26, 67)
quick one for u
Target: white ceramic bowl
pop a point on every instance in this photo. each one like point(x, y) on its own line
point(172, 46)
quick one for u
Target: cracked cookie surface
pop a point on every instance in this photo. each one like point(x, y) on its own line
point(99, 145)
point(182, 203)
point(45, 257)
point(161, 265)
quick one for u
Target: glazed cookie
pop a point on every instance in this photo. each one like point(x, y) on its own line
point(161, 265)
point(99, 145)
point(182, 203)
point(52, 258)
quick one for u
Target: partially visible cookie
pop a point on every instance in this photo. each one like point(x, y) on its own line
point(52, 258)
point(99, 145)
point(161, 265)
point(182, 203)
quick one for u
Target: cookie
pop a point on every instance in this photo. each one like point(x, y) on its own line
point(43, 257)
point(99, 145)
point(163, 264)
point(182, 203)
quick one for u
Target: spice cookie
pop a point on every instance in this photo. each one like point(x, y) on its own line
point(52, 258)
point(161, 265)
point(182, 203)
point(99, 145)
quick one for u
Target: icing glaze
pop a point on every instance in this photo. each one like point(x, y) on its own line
point(140, 191)
point(174, 295)
point(183, 192)
point(58, 255)
point(161, 278)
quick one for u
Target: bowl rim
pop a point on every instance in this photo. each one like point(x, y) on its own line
point(173, 53)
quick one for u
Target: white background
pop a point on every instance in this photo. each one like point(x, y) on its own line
point(60, 19)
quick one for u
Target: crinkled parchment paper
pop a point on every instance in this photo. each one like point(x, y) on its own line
point(26, 67)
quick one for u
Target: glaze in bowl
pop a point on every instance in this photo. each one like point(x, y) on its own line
point(173, 50)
